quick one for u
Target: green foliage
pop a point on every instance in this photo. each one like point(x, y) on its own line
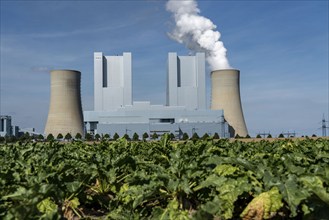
point(135, 137)
point(264, 206)
point(68, 136)
point(88, 137)
point(97, 137)
point(25, 137)
point(165, 179)
point(59, 136)
point(145, 136)
point(78, 136)
point(116, 136)
point(126, 136)
point(281, 136)
point(216, 136)
point(50, 137)
point(269, 136)
point(47, 206)
point(172, 136)
point(154, 136)
point(205, 136)
point(40, 137)
point(195, 137)
point(106, 137)
point(9, 139)
point(185, 136)
point(258, 136)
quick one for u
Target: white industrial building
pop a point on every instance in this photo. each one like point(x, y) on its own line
point(185, 110)
point(5, 126)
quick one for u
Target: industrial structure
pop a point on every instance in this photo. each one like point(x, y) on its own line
point(185, 110)
point(112, 81)
point(186, 83)
point(6, 129)
point(324, 126)
point(65, 111)
point(225, 95)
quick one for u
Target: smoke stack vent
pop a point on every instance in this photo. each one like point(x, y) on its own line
point(65, 111)
point(225, 94)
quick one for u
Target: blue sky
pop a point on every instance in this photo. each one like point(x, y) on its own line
point(280, 47)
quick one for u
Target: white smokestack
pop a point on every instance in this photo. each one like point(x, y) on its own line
point(197, 32)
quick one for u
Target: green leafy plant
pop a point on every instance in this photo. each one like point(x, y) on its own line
point(165, 179)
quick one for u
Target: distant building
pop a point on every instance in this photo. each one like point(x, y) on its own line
point(7, 129)
point(5, 125)
point(15, 131)
point(185, 110)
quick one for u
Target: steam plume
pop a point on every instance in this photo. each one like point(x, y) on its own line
point(197, 32)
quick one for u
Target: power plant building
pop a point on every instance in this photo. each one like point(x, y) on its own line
point(112, 81)
point(186, 85)
point(185, 110)
point(6, 128)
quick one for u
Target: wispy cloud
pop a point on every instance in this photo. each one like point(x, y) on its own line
point(83, 31)
point(41, 69)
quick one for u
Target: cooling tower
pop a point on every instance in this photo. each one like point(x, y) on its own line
point(225, 94)
point(65, 111)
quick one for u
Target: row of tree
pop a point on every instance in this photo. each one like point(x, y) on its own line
point(27, 137)
point(145, 136)
point(97, 137)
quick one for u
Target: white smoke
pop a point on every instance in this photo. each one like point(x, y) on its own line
point(197, 32)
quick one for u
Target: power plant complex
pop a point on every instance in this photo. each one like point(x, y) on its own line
point(115, 111)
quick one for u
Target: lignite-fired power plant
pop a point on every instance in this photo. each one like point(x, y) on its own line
point(115, 111)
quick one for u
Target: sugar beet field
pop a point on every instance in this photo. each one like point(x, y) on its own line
point(164, 179)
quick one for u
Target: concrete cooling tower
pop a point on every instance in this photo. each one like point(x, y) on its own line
point(225, 94)
point(65, 111)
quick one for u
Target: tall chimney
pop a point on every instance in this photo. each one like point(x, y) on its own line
point(225, 94)
point(65, 111)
